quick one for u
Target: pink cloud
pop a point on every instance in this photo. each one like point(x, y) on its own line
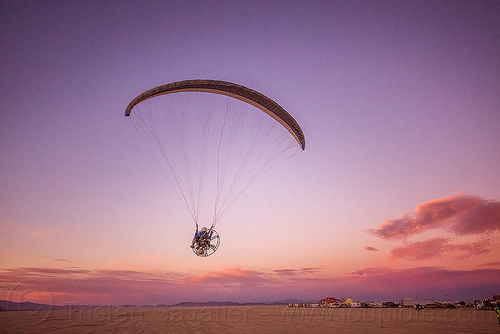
point(231, 277)
point(461, 214)
point(295, 272)
point(420, 250)
point(436, 247)
point(491, 264)
point(78, 286)
point(371, 249)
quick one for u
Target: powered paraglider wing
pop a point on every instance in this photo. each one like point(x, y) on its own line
point(236, 91)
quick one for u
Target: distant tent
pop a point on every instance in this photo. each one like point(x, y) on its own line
point(348, 301)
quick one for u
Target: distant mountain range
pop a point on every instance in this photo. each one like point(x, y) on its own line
point(6, 305)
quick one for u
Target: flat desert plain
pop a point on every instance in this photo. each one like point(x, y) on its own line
point(248, 319)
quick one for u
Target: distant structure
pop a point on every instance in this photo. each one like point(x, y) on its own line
point(410, 302)
point(417, 303)
point(330, 302)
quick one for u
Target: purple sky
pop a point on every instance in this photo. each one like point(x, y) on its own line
point(396, 195)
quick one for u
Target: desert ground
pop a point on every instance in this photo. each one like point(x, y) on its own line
point(248, 319)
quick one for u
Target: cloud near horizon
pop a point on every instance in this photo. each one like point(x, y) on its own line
point(460, 214)
point(231, 277)
point(491, 264)
point(118, 287)
point(295, 272)
point(371, 249)
point(122, 287)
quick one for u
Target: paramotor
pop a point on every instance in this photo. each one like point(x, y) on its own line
point(214, 139)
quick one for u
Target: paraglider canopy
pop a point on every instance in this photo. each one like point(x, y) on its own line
point(239, 92)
